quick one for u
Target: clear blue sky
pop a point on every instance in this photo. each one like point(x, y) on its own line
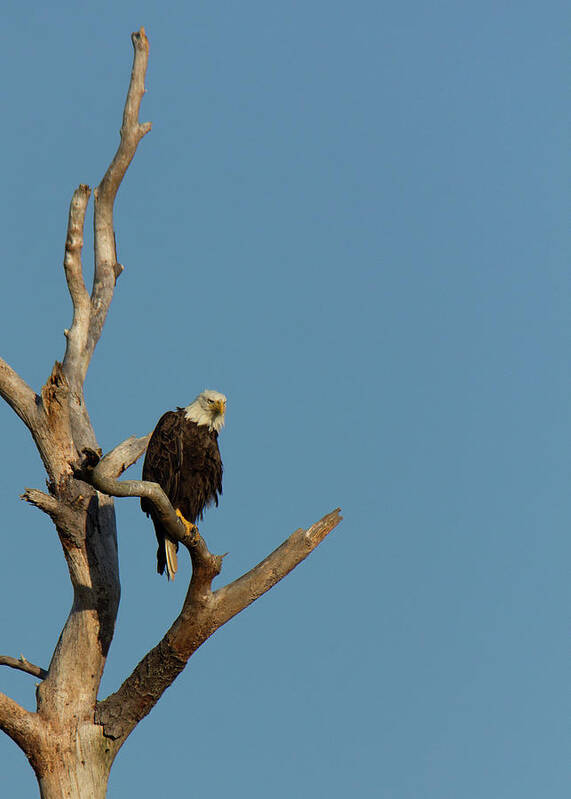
point(350, 218)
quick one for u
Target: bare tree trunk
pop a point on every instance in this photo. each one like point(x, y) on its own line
point(76, 764)
point(72, 739)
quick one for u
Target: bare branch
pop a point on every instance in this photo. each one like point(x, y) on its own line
point(62, 514)
point(203, 612)
point(123, 455)
point(21, 725)
point(18, 394)
point(23, 665)
point(41, 500)
point(237, 595)
point(132, 131)
point(101, 475)
point(75, 361)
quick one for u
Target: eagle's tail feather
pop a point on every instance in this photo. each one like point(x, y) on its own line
point(171, 558)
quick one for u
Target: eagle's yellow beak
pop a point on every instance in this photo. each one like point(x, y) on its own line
point(220, 407)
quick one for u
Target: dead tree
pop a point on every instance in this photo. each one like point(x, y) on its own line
point(72, 739)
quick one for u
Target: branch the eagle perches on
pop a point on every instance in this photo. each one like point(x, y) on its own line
point(81, 485)
point(102, 474)
point(203, 610)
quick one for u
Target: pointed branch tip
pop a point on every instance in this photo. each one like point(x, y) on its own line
point(139, 39)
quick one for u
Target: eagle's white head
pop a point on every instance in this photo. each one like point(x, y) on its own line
point(208, 409)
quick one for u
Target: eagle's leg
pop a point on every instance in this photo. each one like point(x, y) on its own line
point(190, 528)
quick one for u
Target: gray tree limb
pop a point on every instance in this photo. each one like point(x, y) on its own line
point(23, 665)
point(75, 362)
point(102, 474)
point(21, 725)
point(202, 613)
point(18, 394)
point(203, 610)
point(107, 269)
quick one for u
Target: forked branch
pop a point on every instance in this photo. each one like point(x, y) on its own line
point(202, 614)
point(203, 610)
point(90, 312)
point(102, 474)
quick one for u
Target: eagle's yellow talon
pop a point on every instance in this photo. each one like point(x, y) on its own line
point(188, 526)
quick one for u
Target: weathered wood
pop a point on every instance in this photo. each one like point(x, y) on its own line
point(18, 395)
point(23, 664)
point(68, 752)
point(71, 740)
point(203, 612)
point(107, 269)
point(75, 361)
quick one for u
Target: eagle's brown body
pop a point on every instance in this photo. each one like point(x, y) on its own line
point(184, 459)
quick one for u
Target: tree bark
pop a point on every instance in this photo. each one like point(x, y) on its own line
point(72, 739)
point(74, 763)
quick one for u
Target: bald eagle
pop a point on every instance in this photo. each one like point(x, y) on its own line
point(184, 459)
